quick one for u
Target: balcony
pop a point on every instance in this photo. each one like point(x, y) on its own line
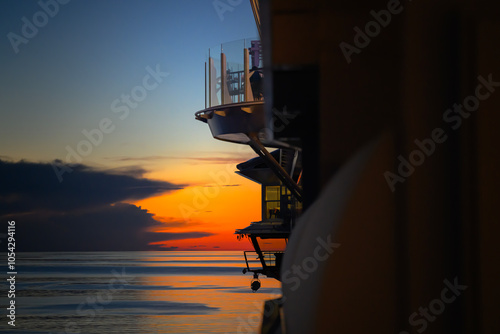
point(234, 101)
point(264, 262)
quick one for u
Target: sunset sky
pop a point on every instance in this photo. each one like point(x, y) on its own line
point(155, 175)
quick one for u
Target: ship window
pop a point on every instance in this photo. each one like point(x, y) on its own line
point(272, 193)
point(273, 209)
point(272, 202)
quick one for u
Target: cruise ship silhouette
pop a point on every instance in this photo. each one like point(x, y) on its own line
point(374, 125)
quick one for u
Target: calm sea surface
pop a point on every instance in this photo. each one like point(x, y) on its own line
point(134, 292)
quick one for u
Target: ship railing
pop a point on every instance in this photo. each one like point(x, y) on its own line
point(230, 73)
point(265, 260)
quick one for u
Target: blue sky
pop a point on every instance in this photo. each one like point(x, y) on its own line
point(65, 78)
point(87, 65)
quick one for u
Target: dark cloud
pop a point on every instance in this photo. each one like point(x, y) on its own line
point(171, 248)
point(123, 227)
point(85, 212)
point(222, 185)
point(28, 187)
point(169, 222)
point(194, 160)
point(134, 171)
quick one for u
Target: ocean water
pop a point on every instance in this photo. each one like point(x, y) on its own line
point(134, 292)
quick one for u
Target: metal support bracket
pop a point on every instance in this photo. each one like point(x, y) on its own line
point(257, 146)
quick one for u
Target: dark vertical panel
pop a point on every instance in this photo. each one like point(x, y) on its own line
point(296, 90)
point(451, 60)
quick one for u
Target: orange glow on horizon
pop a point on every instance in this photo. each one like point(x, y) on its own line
point(222, 203)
